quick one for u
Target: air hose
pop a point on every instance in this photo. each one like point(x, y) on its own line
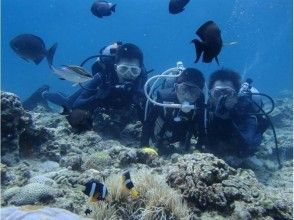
point(271, 100)
point(185, 107)
point(274, 132)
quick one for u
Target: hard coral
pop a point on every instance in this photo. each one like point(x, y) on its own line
point(98, 161)
point(34, 193)
point(208, 183)
point(14, 120)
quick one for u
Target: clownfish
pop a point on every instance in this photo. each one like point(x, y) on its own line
point(128, 183)
point(96, 191)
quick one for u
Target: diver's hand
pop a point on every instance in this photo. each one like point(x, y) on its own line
point(244, 104)
point(221, 111)
point(231, 102)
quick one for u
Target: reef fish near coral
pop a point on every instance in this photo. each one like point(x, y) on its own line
point(95, 190)
point(128, 183)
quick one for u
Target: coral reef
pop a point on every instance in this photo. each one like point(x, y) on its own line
point(14, 120)
point(73, 162)
point(208, 183)
point(282, 120)
point(3, 169)
point(55, 163)
point(33, 193)
point(131, 134)
point(98, 161)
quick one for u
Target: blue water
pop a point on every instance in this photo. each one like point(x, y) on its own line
point(262, 28)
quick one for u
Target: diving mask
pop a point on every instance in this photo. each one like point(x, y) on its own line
point(187, 92)
point(219, 91)
point(128, 71)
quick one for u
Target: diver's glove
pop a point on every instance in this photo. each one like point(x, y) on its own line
point(225, 106)
point(244, 98)
point(221, 111)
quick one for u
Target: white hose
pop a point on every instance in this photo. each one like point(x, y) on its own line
point(165, 74)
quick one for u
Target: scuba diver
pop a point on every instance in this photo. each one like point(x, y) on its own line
point(167, 122)
point(235, 117)
point(118, 79)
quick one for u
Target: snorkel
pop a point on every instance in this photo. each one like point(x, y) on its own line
point(170, 73)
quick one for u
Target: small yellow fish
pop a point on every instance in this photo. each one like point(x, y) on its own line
point(150, 151)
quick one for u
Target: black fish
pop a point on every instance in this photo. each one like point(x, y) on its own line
point(211, 44)
point(177, 6)
point(102, 8)
point(88, 211)
point(79, 119)
point(31, 47)
point(37, 99)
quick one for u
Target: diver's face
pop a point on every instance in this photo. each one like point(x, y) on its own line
point(223, 89)
point(128, 69)
point(187, 92)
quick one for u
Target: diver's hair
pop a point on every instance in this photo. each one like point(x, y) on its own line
point(129, 51)
point(225, 75)
point(192, 75)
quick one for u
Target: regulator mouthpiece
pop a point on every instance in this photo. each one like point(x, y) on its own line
point(186, 107)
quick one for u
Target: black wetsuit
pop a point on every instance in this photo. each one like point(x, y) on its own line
point(239, 134)
point(104, 90)
point(170, 125)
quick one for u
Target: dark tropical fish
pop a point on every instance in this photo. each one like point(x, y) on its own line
point(95, 190)
point(102, 8)
point(31, 47)
point(79, 119)
point(37, 99)
point(211, 42)
point(177, 6)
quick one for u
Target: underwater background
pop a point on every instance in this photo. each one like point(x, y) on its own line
point(46, 165)
point(263, 30)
